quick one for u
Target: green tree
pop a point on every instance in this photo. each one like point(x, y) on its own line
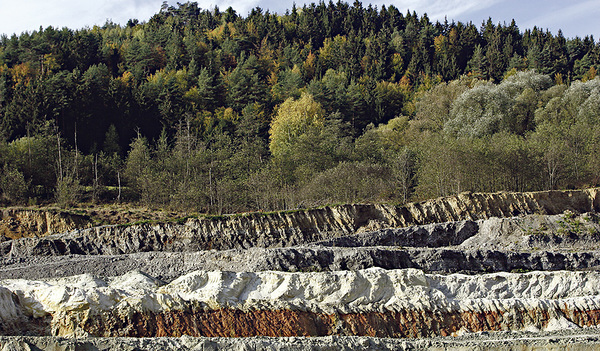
point(245, 85)
point(293, 119)
point(288, 85)
point(137, 166)
point(433, 107)
point(13, 186)
point(477, 65)
point(111, 141)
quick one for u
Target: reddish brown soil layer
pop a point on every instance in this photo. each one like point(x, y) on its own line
point(403, 324)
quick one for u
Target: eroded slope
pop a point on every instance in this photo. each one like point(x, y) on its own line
point(373, 302)
point(352, 270)
point(285, 229)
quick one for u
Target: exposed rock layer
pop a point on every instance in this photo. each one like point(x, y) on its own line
point(18, 223)
point(284, 323)
point(525, 243)
point(574, 340)
point(374, 302)
point(168, 266)
point(293, 228)
point(326, 291)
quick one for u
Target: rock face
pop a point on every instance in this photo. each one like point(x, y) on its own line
point(532, 242)
point(15, 223)
point(569, 339)
point(168, 266)
point(503, 263)
point(372, 302)
point(299, 227)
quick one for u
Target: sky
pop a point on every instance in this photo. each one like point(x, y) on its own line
point(573, 17)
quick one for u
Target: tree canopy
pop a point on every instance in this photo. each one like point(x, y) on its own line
point(209, 110)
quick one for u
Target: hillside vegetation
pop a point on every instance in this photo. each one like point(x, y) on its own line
point(206, 110)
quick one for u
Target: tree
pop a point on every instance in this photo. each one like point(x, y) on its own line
point(288, 85)
point(293, 119)
point(111, 141)
point(13, 186)
point(137, 165)
point(487, 108)
point(349, 182)
point(245, 85)
point(403, 166)
point(477, 66)
point(205, 94)
point(477, 112)
point(433, 107)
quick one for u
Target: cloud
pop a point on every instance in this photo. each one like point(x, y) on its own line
point(576, 17)
point(75, 14)
point(567, 12)
point(242, 7)
point(571, 17)
point(121, 11)
point(439, 9)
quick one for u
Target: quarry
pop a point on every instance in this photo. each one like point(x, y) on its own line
point(470, 271)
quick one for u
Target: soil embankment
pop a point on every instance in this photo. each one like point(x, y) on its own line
point(285, 229)
point(19, 223)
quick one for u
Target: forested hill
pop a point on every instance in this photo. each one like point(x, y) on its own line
point(216, 111)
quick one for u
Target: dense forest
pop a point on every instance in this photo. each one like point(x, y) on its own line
point(204, 110)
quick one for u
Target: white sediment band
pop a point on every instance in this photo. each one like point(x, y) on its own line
point(361, 291)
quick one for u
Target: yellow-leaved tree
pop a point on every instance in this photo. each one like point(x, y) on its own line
point(293, 119)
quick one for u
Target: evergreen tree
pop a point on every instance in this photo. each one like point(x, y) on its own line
point(478, 64)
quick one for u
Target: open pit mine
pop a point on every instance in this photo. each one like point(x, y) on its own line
point(472, 271)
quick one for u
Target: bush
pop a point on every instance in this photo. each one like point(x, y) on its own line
point(68, 191)
point(350, 182)
point(13, 186)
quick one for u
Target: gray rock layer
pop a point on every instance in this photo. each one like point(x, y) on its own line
point(525, 233)
point(299, 227)
point(184, 238)
point(168, 266)
point(585, 339)
point(534, 242)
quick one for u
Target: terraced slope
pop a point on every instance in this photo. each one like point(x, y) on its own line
point(372, 302)
point(505, 262)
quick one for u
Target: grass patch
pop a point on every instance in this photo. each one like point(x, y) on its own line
point(520, 270)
